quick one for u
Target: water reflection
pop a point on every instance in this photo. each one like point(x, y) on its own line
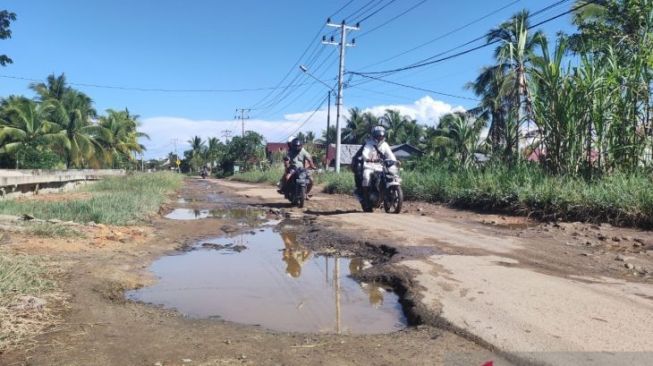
point(293, 254)
point(300, 292)
point(242, 214)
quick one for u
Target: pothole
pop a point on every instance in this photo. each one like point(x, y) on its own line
point(239, 214)
point(265, 277)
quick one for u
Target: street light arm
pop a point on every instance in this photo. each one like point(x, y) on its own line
point(305, 71)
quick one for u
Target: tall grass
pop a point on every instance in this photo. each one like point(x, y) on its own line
point(620, 198)
point(116, 201)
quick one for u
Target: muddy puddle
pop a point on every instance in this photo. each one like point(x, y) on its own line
point(240, 214)
point(265, 277)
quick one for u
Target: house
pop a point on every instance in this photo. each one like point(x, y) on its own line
point(406, 151)
point(274, 151)
point(402, 152)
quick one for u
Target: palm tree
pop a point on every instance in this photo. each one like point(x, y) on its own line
point(457, 137)
point(493, 87)
point(118, 137)
point(394, 124)
point(358, 126)
point(515, 50)
point(54, 88)
point(215, 151)
point(74, 114)
point(25, 125)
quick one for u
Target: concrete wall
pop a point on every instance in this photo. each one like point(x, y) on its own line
point(15, 178)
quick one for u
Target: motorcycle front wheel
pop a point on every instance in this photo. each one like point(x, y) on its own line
point(393, 200)
point(302, 196)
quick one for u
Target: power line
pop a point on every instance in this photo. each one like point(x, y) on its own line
point(430, 61)
point(377, 11)
point(343, 7)
point(312, 43)
point(392, 19)
point(414, 87)
point(356, 13)
point(307, 119)
point(274, 105)
point(445, 34)
point(160, 90)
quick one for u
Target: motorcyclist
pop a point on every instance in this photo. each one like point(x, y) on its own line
point(297, 157)
point(372, 154)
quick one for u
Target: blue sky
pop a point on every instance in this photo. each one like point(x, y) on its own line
point(210, 45)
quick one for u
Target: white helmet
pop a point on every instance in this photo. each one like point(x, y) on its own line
point(378, 133)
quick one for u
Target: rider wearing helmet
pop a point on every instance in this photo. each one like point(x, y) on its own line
point(373, 153)
point(297, 157)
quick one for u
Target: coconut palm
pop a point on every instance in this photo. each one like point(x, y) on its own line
point(74, 114)
point(118, 137)
point(515, 50)
point(493, 87)
point(457, 137)
point(55, 87)
point(25, 124)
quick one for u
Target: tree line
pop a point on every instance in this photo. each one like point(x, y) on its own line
point(60, 128)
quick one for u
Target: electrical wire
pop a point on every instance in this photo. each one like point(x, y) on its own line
point(159, 90)
point(415, 87)
point(392, 19)
point(376, 11)
point(444, 35)
point(431, 60)
point(307, 119)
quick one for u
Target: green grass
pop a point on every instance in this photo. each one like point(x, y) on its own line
point(21, 275)
point(271, 176)
point(115, 201)
point(48, 230)
point(619, 199)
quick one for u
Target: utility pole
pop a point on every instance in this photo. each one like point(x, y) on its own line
point(341, 70)
point(175, 141)
point(243, 116)
point(226, 134)
point(326, 155)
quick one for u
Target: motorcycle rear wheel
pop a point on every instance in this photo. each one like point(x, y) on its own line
point(393, 200)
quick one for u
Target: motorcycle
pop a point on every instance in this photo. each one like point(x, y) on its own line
point(204, 174)
point(296, 187)
point(385, 188)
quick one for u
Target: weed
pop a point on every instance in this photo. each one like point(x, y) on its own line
point(115, 201)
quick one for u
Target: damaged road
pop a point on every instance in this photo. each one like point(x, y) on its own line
point(567, 293)
point(99, 325)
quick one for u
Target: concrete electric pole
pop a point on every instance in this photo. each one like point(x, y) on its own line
point(226, 134)
point(341, 70)
point(241, 113)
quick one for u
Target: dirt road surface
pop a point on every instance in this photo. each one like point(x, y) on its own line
point(97, 325)
point(556, 294)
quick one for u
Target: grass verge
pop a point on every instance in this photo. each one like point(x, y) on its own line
point(25, 291)
point(48, 230)
point(114, 201)
point(619, 199)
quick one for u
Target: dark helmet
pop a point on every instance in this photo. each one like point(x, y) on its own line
point(296, 144)
point(378, 133)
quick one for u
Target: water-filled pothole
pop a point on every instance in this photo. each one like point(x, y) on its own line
point(266, 278)
point(236, 213)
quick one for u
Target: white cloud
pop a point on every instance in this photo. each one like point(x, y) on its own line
point(164, 130)
point(425, 110)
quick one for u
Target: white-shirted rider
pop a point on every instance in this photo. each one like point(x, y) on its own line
point(374, 152)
